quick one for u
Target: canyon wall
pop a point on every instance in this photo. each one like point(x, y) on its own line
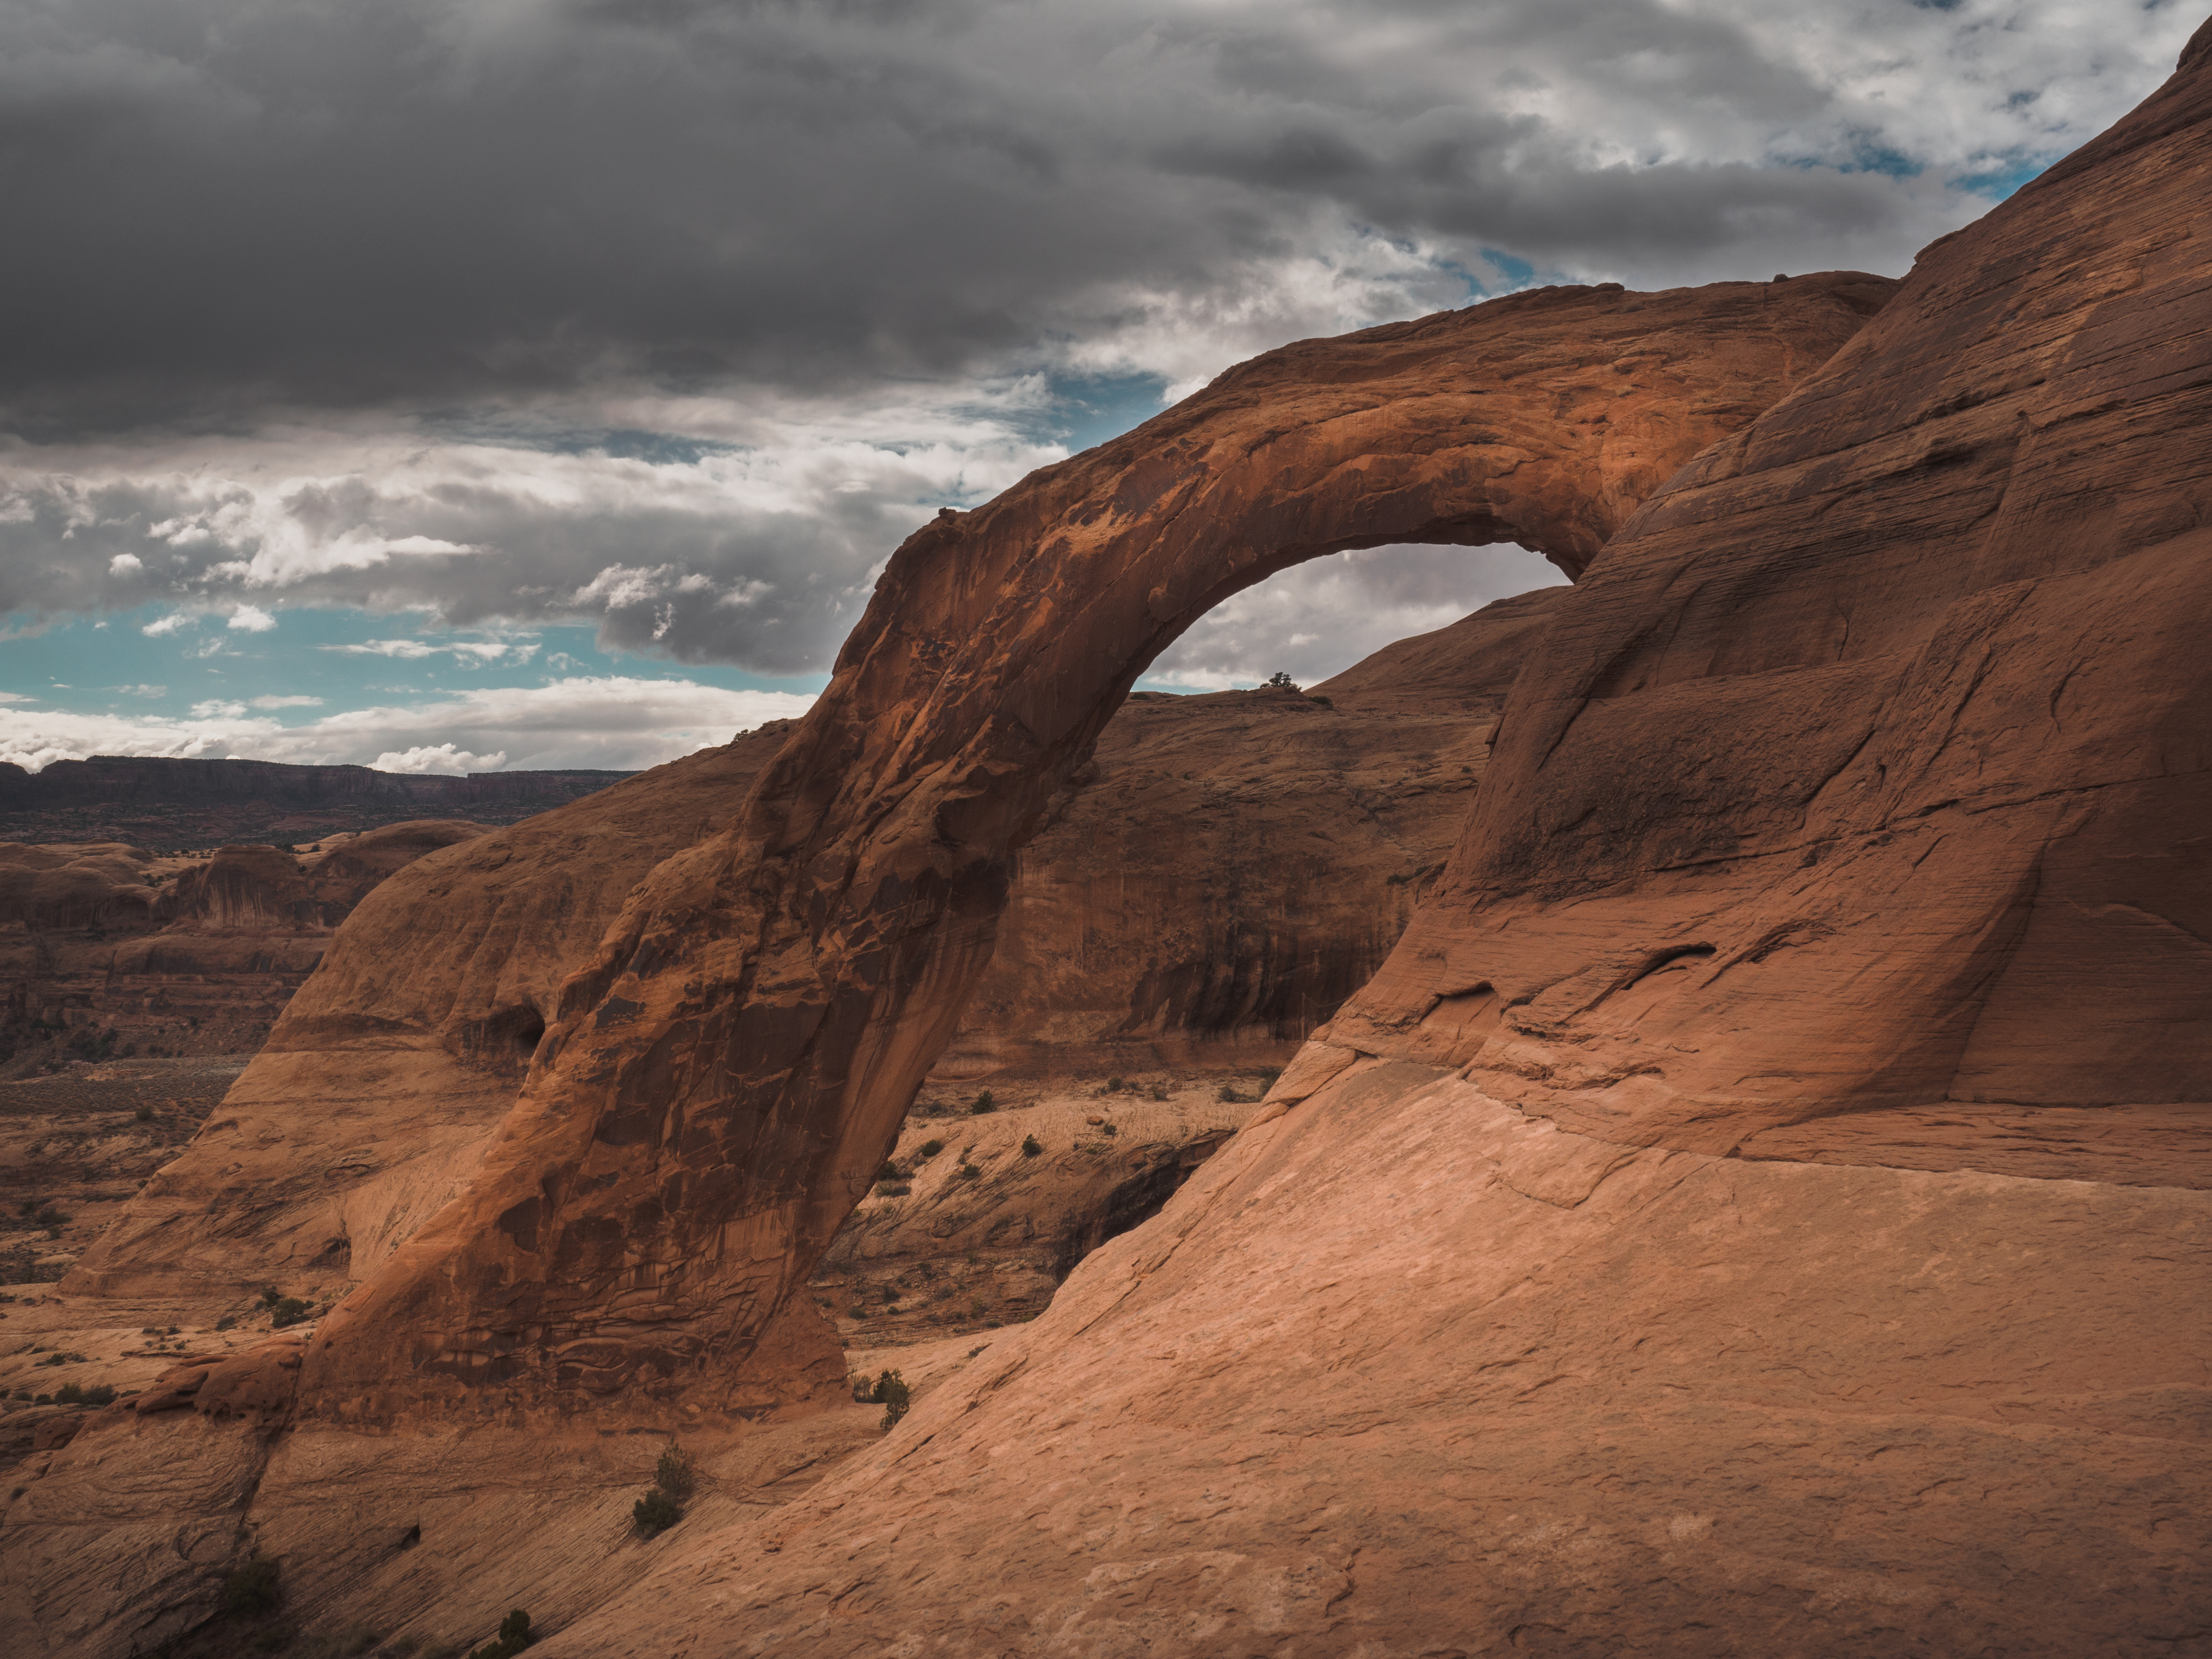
point(106, 944)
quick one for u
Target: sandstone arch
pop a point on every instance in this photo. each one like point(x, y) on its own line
point(721, 1082)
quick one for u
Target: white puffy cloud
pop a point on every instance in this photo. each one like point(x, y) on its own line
point(444, 759)
point(612, 721)
point(251, 619)
point(124, 564)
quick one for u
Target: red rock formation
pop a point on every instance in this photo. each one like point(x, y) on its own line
point(185, 952)
point(1855, 807)
point(1866, 772)
point(85, 884)
point(724, 1079)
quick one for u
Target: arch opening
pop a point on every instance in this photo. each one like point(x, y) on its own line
point(771, 1002)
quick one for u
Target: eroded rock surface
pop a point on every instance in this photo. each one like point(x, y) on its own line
point(1856, 805)
point(106, 947)
point(1407, 1372)
point(369, 1104)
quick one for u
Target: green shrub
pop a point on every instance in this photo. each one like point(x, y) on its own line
point(889, 1172)
point(1109, 1128)
point(655, 1513)
point(984, 1102)
point(1228, 1095)
point(932, 1148)
point(270, 1296)
point(289, 1311)
point(674, 1479)
point(252, 1588)
point(513, 1635)
point(1113, 1085)
point(674, 1474)
point(144, 1114)
point(1031, 1146)
point(893, 1395)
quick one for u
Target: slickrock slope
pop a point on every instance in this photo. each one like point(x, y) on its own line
point(719, 1086)
point(1864, 775)
point(1406, 1373)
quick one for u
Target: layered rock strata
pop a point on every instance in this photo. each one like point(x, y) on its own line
point(103, 943)
point(721, 1083)
point(410, 1043)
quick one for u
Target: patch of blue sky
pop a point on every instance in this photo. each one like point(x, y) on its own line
point(2001, 177)
point(1085, 410)
point(1518, 272)
point(313, 662)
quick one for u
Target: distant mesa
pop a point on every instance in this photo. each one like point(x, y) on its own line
point(160, 803)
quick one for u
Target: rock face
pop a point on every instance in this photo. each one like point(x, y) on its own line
point(718, 1087)
point(1408, 1372)
point(1855, 807)
point(409, 1042)
point(1863, 775)
point(193, 953)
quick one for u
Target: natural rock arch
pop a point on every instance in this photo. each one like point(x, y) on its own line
point(722, 1082)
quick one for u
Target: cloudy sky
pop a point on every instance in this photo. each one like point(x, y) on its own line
point(451, 384)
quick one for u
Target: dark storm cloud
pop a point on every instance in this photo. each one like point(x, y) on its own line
point(213, 203)
point(676, 316)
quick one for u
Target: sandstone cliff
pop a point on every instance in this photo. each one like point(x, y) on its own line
point(108, 945)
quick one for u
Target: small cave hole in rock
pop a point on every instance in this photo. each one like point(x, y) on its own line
point(1132, 1203)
